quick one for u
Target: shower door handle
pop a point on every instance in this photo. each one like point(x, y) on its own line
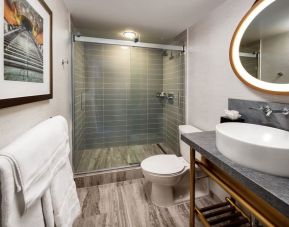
point(81, 101)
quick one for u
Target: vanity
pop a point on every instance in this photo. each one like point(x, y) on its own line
point(265, 196)
point(251, 161)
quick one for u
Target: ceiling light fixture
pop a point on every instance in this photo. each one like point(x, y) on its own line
point(129, 35)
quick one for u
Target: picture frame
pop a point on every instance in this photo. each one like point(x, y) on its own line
point(26, 72)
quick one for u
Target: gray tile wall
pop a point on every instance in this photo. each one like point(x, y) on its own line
point(79, 114)
point(174, 109)
point(145, 110)
point(120, 103)
point(174, 82)
point(106, 82)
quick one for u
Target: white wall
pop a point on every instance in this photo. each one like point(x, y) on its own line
point(211, 80)
point(16, 120)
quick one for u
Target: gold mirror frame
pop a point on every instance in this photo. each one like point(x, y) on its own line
point(239, 70)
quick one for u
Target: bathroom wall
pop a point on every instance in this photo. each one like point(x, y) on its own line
point(174, 82)
point(147, 109)
point(16, 120)
point(79, 90)
point(211, 80)
point(106, 78)
point(121, 107)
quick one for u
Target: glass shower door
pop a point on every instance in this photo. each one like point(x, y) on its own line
point(118, 118)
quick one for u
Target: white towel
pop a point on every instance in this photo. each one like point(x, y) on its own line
point(37, 156)
point(47, 209)
point(60, 202)
point(64, 198)
point(40, 167)
point(10, 215)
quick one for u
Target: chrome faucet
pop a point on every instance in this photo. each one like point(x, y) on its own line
point(267, 110)
point(284, 111)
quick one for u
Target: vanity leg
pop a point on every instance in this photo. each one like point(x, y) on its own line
point(192, 187)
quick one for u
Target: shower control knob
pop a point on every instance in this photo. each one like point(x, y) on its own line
point(171, 96)
point(161, 94)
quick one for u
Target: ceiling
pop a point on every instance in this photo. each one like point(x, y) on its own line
point(156, 21)
point(272, 21)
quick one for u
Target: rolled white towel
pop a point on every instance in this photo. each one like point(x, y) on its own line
point(232, 114)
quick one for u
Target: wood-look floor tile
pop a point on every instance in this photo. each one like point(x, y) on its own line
point(105, 158)
point(124, 204)
point(92, 221)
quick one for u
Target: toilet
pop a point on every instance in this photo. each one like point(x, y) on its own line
point(167, 176)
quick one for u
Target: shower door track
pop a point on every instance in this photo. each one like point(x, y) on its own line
point(129, 166)
point(126, 43)
point(107, 169)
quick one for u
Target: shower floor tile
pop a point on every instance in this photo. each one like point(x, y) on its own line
point(114, 157)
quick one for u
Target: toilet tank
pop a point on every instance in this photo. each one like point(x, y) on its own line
point(185, 148)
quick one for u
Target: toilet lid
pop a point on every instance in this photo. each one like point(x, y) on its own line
point(162, 164)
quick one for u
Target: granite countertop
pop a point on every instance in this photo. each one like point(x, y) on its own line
point(273, 189)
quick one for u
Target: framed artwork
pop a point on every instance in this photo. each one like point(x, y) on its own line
point(25, 52)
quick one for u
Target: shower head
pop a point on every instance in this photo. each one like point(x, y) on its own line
point(171, 57)
point(165, 53)
point(77, 34)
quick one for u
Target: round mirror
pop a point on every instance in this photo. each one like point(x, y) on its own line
point(259, 52)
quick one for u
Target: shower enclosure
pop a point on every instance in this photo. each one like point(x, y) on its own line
point(250, 56)
point(127, 104)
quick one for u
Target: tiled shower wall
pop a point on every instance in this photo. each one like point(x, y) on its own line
point(121, 107)
point(174, 83)
point(145, 112)
point(79, 89)
point(118, 86)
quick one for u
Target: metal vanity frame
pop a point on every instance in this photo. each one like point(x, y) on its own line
point(259, 208)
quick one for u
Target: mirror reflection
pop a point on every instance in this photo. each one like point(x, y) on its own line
point(264, 49)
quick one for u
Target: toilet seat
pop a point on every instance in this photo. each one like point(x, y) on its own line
point(163, 165)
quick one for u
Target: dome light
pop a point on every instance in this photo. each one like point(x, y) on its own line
point(129, 35)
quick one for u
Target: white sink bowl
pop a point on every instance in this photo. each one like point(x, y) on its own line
point(258, 147)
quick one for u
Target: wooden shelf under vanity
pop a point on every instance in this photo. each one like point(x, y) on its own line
point(243, 203)
point(225, 214)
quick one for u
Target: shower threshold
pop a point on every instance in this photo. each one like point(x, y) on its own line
point(107, 169)
point(115, 158)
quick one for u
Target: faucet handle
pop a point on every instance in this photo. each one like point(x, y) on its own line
point(285, 111)
point(266, 110)
point(256, 108)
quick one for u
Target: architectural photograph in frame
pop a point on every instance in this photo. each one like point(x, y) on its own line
point(26, 52)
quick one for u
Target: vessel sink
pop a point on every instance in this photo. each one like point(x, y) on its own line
point(258, 147)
